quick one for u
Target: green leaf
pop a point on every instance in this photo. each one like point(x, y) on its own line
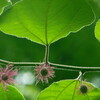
point(46, 21)
point(3, 4)
point(69, 90)
point(15, 1)
point(10, 94)
point(97, 30)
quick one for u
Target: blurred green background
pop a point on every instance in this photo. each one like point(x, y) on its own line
point(80, 49)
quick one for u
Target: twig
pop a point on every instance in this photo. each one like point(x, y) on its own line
point(59, 66)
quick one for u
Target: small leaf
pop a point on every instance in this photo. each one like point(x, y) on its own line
point(3, 4)
point(10, 94)
point(70, 90)
point(97, 30)
point(46, 21)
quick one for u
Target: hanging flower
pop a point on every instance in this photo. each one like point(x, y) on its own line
point(6, 75)
point(44, 72)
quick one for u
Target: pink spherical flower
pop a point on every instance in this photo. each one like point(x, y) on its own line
point(44, 72)
point(6, 75)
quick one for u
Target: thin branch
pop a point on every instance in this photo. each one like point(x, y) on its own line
point(20, 63)
point(76, 68)
point(58, 66)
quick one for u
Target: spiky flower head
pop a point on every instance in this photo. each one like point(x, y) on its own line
point(44, 72)
point(6, 75)
point(83, 89)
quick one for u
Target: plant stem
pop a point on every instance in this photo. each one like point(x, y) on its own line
point(58, 66)
point(76, 68)
point(46, 54)
point(19, 63)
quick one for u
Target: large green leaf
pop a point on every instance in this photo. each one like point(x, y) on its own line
point(10, 94)
point(69, 90)
point(15, 1)
point(45, 21)
point(97, 30)
point(3, 3)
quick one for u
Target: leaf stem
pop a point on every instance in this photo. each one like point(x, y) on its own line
point(46, 54)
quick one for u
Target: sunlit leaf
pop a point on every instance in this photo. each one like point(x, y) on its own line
point(15, 1)
point(46, 21)
point(3, 3)
point(10, 94)
point(97, 30)
point(69, 90)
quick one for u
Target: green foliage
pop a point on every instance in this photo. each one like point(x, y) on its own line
point(45, 21)
point(15, 1)
point(3, 3)
point(97, 30)
point(10, 94)
point(69, 90)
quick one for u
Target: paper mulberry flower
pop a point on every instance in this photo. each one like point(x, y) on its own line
point(44, 72)
point(6, 75)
